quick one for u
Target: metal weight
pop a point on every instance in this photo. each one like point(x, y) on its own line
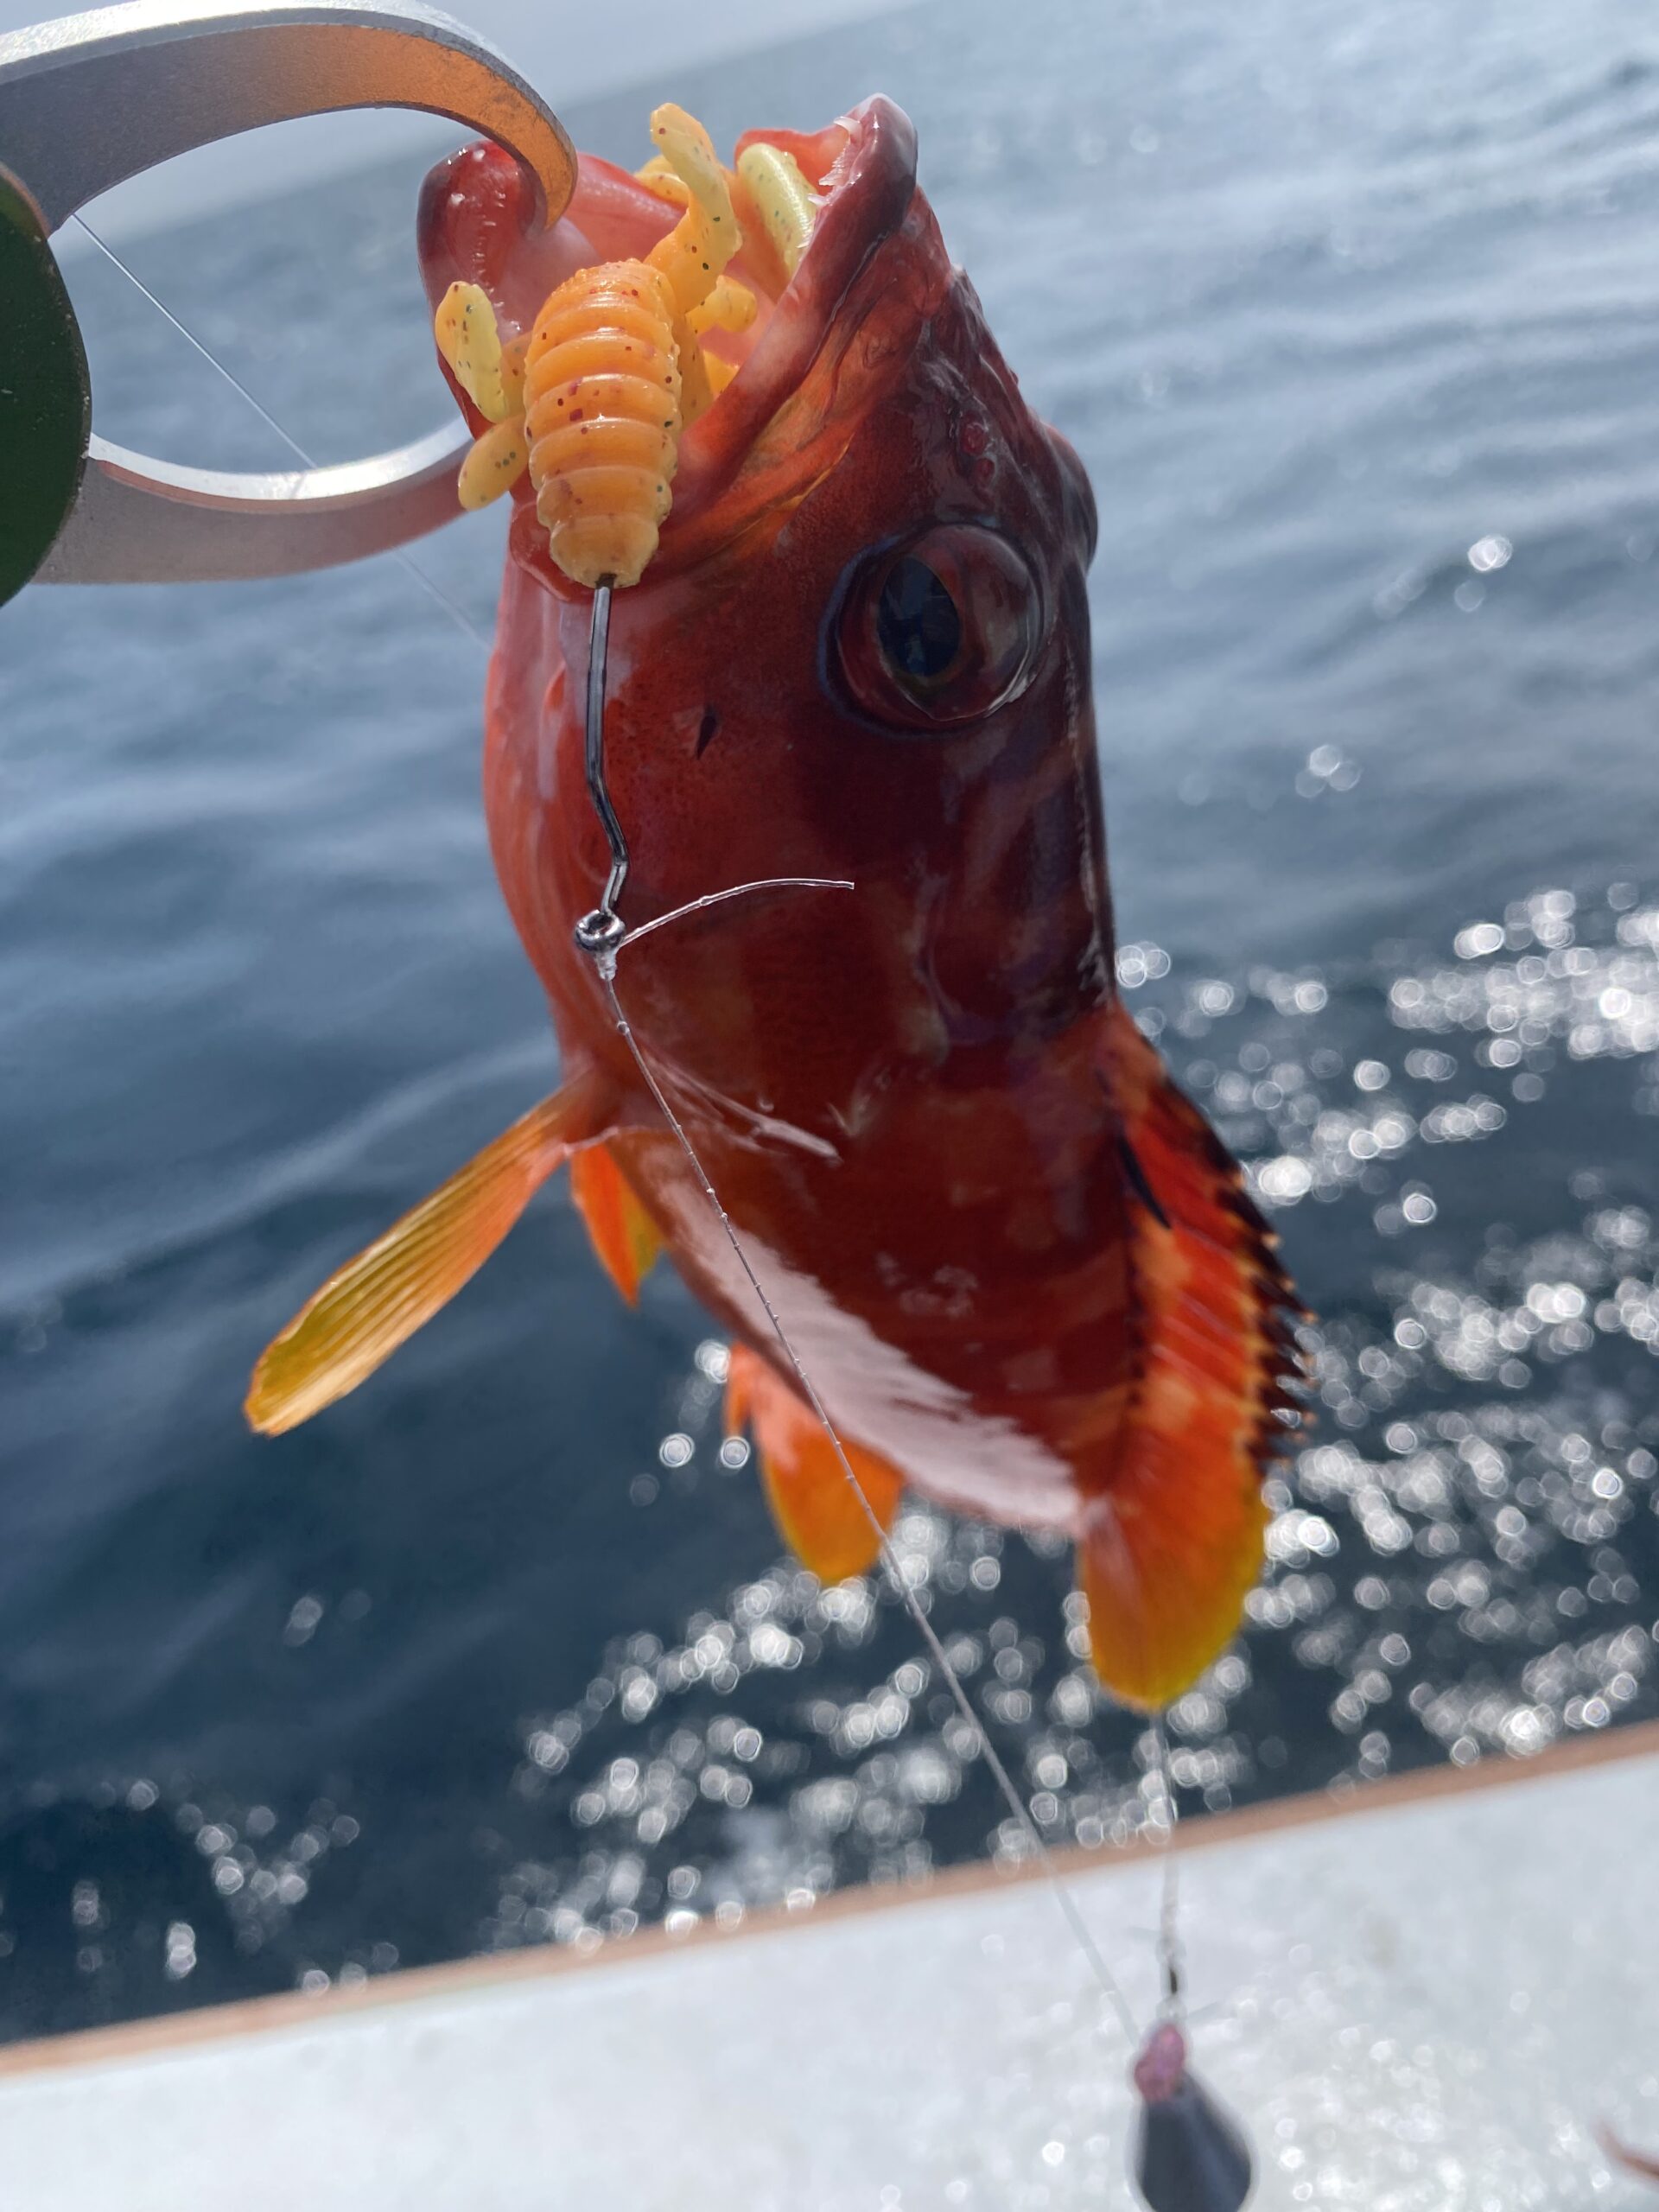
point(1190, 2155)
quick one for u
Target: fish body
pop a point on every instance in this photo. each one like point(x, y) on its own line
point(1017, 1268)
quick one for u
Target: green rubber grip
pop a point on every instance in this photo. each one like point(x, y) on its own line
point(46, 397)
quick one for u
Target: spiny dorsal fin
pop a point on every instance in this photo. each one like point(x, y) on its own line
point(377, 1301)
point(818, 1513)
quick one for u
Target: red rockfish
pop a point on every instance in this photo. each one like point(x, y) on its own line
point(1018, 1267)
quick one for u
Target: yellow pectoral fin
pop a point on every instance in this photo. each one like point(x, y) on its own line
point(372, 1304)
point(816, 1508)
point(623, 1233)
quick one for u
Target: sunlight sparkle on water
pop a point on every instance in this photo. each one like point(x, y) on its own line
point(1456, 1553)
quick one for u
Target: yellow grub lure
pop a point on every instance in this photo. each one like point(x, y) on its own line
point(657, 176)
point(693, 255)
point(491, 375)
point(593, 400)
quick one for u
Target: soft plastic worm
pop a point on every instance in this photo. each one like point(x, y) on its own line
point(693, 255)
point(781, 197)
point(603, 413)
point(496, 463)
point(614, 370)
point(657, 177)
point(593, 401)
point(491, 375)
point(730, 306)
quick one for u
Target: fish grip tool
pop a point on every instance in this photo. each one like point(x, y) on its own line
point(89, 100)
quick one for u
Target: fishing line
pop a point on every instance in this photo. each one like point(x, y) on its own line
point(457, 615)
point(599, 646)
point(1172, 1953)
point(740, 891)
point(604, 936)
point(605, 958)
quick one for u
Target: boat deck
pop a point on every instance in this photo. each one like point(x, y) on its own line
point(1425, 1995)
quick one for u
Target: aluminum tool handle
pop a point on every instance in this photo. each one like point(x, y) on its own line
point(138, 520)
point(93, 100)
point(89, 100)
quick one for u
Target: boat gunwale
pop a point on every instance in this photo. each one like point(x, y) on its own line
point(133, 2040)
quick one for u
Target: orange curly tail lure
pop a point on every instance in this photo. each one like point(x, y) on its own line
point(592, 403)
point(603, 410)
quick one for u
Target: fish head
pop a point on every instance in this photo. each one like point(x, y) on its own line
point(861, 653)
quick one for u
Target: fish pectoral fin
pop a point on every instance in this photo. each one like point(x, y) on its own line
point(376, 1302)
point(1170, 1542)
point(815, 1507)
point(625, 1237)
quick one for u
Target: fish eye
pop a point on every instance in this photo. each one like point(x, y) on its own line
point(940, 630)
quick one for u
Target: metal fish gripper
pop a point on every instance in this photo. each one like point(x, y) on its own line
point(86, 102)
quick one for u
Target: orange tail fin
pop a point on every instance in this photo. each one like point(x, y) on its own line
point(375, 1302)
point(622, 1233)
point(1172, 1544)
point(818, 1513)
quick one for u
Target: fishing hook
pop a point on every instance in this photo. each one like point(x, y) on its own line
point(602, 931)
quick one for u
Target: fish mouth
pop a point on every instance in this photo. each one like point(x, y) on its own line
point(476, 224)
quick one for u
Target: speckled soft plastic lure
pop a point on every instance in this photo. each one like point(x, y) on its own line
point(1018, 1267)
point(592, 401)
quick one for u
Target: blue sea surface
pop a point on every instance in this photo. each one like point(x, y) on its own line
point(1351, 312)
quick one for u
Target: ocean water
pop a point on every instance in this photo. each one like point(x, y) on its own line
point(1349, 312)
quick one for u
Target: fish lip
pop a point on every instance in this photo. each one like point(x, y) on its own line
point(866, 195)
